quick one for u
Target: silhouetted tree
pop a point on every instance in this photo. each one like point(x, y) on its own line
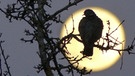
point(34, 12)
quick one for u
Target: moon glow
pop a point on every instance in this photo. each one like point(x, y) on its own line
point(101, 60)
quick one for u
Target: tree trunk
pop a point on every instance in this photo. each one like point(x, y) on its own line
point(40, 38)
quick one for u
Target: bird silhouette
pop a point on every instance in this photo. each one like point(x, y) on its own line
point(90, 29)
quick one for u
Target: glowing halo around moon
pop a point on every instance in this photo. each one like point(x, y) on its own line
point(101, 60)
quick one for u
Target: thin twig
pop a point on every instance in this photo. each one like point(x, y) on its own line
point(5, 58)
point(117, 27)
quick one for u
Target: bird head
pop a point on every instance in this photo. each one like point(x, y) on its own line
point(89, 13)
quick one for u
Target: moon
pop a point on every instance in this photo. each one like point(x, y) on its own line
point(100, 60)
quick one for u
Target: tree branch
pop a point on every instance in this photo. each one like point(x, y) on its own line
point(5, 60)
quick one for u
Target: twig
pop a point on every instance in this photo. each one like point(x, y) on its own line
point(5, 58)
point(66, 7)
point(0, 66)
point(117, 27)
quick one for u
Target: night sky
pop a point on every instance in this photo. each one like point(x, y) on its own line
point(23, 55)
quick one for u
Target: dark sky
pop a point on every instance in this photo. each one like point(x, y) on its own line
point(23, 56)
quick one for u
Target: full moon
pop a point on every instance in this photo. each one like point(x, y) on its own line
point(100, 60)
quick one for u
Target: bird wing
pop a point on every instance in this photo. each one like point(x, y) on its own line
point(86, 29)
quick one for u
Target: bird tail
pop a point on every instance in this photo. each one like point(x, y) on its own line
point(88, 50)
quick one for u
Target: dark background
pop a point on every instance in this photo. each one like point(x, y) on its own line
point(23, 56)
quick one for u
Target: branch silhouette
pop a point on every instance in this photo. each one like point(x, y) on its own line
point(52, 50)
point(4, 57)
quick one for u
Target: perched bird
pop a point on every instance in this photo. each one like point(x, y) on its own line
point(90, 29)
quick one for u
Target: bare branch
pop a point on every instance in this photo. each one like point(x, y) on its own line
point(66, 7)
point(50, 47)
point(5, 60)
